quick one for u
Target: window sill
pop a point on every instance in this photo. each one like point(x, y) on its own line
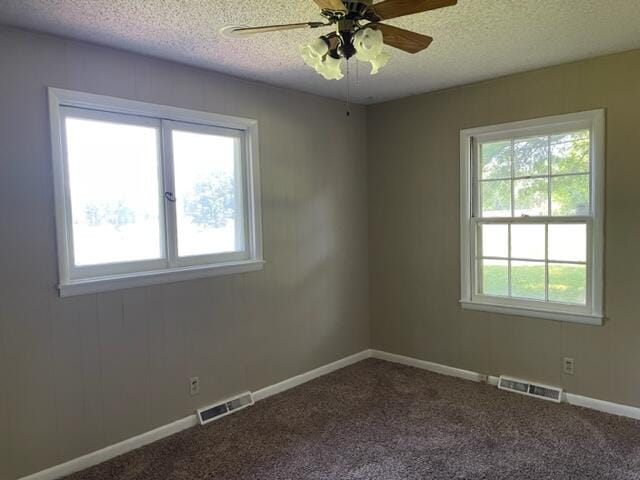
point(583, 318)
point(143, 279)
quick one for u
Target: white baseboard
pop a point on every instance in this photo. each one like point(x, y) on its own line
point(138, 441)
point(570, 398)
point(305, 377)
point(602, 405)
point(432, 367)
point(143, 439)
point(113, 451)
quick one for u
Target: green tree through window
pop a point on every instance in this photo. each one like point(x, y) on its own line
point(211, 204)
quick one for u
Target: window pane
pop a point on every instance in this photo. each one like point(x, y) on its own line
point(567, 283)
point(496, 198)
point(495, 277)
point(570, 157)
point(527, 280)
point(531, 197)
point(206, 193)
point(495, 240)
point(570, 195)
point(496, 160)
point(570, 136)
point(568, 242)
point(115, 191)
point(528, 241)
point(531, 157)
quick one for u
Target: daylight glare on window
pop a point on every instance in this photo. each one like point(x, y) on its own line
point(114, 185)
point(148, 194)
point(206, 192)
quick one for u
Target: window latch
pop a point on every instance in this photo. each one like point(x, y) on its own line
point(170, 196)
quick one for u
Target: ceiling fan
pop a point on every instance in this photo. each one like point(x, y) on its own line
point(358, 32)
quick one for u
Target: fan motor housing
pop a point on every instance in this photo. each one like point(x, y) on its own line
point(357, 6)
point(355, 10)
point(346, 29)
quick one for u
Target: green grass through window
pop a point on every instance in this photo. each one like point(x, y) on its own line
point(567, 283)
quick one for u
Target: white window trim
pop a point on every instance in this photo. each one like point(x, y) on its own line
point(68, 286)
point(592, 313)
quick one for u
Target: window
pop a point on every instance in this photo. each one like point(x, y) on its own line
point(148, 194)
point(532, 217)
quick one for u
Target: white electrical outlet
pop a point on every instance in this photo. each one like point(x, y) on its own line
point(569, 365)
point(194, 385)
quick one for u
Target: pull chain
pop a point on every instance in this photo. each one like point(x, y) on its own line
point(348, 93)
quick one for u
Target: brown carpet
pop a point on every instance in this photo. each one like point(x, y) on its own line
point(378, 420)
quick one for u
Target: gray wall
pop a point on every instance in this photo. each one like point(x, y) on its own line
point(414, 233)
point(81, 373)
point(85, 372)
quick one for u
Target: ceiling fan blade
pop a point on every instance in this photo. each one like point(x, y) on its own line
point(406, 40)
point(242, 31)
point(334, 5)
point(399, 8)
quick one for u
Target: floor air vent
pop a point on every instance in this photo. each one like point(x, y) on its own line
point(219, 410)
point(531, 389)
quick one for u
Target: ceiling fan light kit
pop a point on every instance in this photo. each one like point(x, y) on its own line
point(365, 44)
point(358, 32)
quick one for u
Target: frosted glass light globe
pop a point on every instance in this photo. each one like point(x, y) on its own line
point(378, 62)
point(330, 68)
point(312, 53)
point(368, 43)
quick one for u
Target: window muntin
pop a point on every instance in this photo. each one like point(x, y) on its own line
point(533, 226)
point(147, 194)
point(525, 259)
point(534, 176)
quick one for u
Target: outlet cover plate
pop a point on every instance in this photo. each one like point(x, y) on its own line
point(568, 365)
point(194, 385)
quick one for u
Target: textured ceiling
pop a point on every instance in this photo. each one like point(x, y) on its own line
point(475, 40)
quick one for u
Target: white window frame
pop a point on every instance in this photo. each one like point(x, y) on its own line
point(592, 312)
point(74, 280)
